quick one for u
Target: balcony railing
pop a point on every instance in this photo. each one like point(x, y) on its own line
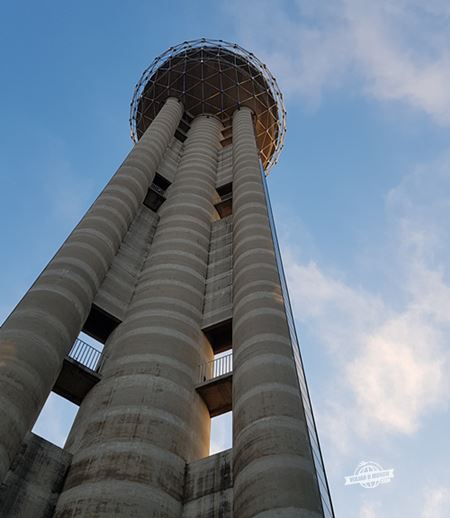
point(86, 355)
point(216, 368)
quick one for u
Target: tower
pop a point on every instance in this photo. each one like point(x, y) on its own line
point(176, 269)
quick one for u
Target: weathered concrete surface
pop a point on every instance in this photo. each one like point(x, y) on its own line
point(117, 289)
point(208, 489)
point(274, 474)
point(40, 331)
point(139, 426)
point(225, 166)
point(217, 306)
point(171, 159)
point(34, 481)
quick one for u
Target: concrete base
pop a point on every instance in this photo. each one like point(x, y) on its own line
point(209, 487)
point(34, 481)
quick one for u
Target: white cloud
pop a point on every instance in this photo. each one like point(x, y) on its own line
point(392, 363)
point(322, 298)
point(392, 50)
point(388, 42)
point(390, 357)
point(418, 206)
point(398, 375)
point(437, 502)
point(369, 510)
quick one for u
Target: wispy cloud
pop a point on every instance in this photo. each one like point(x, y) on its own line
point(391, 365)
point(369, 510)
point(436, 502)
point(390, 50)
point(390, 359)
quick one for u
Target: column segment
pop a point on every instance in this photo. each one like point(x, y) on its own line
point(43, 326)
point(272, 462)
point(144, 420)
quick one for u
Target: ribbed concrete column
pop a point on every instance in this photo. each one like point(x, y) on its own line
point(144, 419)
point(272, 463)
point(41, 329)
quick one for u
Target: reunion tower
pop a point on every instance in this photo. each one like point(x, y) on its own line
point(175, 268)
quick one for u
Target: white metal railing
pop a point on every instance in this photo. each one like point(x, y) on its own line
point(215, 368)
point(87, 355)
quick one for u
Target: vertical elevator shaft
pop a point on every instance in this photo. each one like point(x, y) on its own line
point(272, 460)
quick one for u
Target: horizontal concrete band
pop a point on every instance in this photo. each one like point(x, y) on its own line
point(107, 499)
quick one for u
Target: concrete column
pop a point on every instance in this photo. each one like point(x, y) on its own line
point(272, 462)
point(41, 329)
point(144, 420)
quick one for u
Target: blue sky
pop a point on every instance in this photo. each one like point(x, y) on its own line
point(360, 198)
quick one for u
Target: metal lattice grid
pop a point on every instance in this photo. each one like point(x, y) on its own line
point(213, 77)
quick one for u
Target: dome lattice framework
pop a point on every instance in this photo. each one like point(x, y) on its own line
point(213, 77)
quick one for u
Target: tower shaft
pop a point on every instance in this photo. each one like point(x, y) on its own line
point(144, 419)
point(42, 328)
point(272, 459)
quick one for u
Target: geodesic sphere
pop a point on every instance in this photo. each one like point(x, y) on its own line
point(213, 77)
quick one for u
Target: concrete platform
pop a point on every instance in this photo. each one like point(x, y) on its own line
point(217, 394)
point(75, 381)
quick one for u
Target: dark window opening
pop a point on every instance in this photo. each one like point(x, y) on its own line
point(225, 205)
point(227, 136)
point(225, 190)
point(183, 128)
point(161, 182)
point(100, 324)
point(155, 195)
point(220, 336)
point(188, 117)
point(180, 135)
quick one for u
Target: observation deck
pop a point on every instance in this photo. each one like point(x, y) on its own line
point(215, 384)
point(213, 77)
point(80, 372)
